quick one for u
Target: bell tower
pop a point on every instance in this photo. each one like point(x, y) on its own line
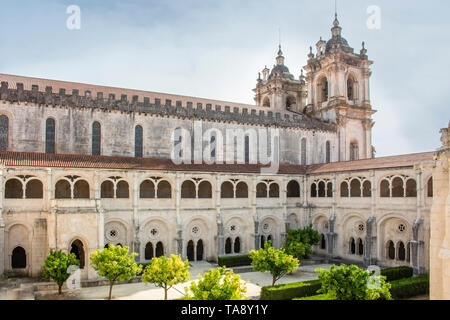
point(278, 90)
point(338, 91)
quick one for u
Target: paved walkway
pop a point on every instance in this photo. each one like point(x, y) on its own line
point(142, 291)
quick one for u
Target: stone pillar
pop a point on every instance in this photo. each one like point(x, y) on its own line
point(135, 217)
point(370, 246)
point(257, 242)
point(331, 237)
point(220, 239)
point(179, 240)
point(2, 227)
point(416, 246)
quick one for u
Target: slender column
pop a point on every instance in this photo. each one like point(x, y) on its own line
point(179, 239)
point(254, 212)
point(136, 223)
point(2, 226)
point(220, 237)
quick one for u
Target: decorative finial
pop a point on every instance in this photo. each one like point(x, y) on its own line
point(363, 44)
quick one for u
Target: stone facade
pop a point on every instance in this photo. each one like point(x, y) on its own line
point(71, 178)
point(440, 223)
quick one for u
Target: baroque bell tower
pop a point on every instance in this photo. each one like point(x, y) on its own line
point(338, 92)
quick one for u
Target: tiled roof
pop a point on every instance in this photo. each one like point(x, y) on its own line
point(30, 159)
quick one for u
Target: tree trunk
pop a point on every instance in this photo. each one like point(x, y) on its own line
point(60, 288)
point(165, 292)
point(111, 283)
point(274, 278)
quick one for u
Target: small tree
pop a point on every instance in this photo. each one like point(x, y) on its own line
point(276, 261)
point(56, 265)
point(299, 242)
point(351, 283)
point(166, 272)
point(115, 263)
point(217, 284)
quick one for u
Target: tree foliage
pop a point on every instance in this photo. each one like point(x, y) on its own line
point(351, 283)
point(56, 266)
point(276, 261)
point(299, 243)
point(166, 272)
point(217, 284)
point(115, 263)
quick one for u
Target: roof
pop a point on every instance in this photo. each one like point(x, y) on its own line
point(31, 159)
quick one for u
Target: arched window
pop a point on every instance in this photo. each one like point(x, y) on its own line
point(19, 258)
point(63, 190)
point(138, 142)
point(354, 151)
point(330, 190)
point(164, 190)
point(228, 246)
point(430, 187)
point(34, 189)
point(266, 102)
point(303, 152)
point(269, 239)
point(313, 190)
point(247, 149)
point(397, 188)
point(13, 189)
point(77, 249)
point(324, 89)
point(122, 190)
point(4, 133)
point(327, 152)
point(352, 246)
point(367, 189)
point(291, 103)
point(350, 89)
point(212, 144)
point(204, 190)
point(237, 245)
point(360, 247)
point(199, 250)
point(241, 190)
point(50, 136)
point(323, 243)
point(107, 190)
point(274, 190)
point(355, 188)
point(401, 251)
point(344, 189)
point(390, 250)
point(188, 189)
point(147, 190)
point(190, 250)
point(159, 252)
point(322, 191)
point(96, 138)
point(384, 189)
point(81, 190)
point(177, 142)
point(293, 189)
point(227, 190)
point(411, 188)
point(262, 241)
point(148, 251)
point(261, 190)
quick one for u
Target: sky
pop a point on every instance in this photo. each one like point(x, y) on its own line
point(215, 49)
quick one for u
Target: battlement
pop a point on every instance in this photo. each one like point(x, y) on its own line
point(124, 103)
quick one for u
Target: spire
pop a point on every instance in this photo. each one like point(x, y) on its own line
point(280, 58)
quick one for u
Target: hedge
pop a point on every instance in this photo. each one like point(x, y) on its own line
point(410, 287)
point(234, 261)
point(290, 290)
point(397, 273)
point(316, 297)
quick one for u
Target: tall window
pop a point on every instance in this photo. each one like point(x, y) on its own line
point(354, 151)
point(50, 136)
point(247, 149)
point(138, 144)
point(96, 138)
point(4, 132)
point(212, 145)
point(350, 89)
point(328, 152)
point(324, 90)
point(303, 152)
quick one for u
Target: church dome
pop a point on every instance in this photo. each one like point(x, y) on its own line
point(338, 42)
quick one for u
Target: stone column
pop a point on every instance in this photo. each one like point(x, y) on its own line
point(331, 237)
point(256, 228)
point(370, 243)
point(179, 226)
point(2, 227)
point(283, 203)
point(135, 217)
point(416, 245)
point(254, 213)
point(220, 237)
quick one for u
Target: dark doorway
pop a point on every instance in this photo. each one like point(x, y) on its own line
point(228, 246)
point(237, 245)
point(19, 258)
point(148, 251)
point(190, 250)
point(77, 248)
point(199, 250)
point(159, 249)
point(263, 241)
